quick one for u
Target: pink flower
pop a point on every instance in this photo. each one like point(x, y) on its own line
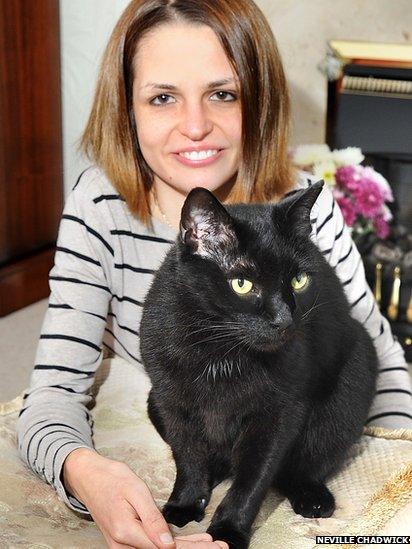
point(368, 198)
point(338, 193)
point(381, 227)
point(348, 177)
point(348, 209)
point(380, 181)
point(360, 191)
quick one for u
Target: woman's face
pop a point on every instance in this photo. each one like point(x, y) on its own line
point(181, 104)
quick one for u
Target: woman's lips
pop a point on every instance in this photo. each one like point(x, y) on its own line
point(198, 163)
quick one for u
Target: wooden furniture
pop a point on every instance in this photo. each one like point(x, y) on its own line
point(31, 188)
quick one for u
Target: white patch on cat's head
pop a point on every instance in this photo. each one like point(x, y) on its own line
point(206, 227)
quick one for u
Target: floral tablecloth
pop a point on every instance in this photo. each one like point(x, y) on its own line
point(373, 492)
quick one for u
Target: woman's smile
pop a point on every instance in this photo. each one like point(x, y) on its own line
point(197, 159)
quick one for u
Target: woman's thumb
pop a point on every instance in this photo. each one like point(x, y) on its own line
point(157, 529)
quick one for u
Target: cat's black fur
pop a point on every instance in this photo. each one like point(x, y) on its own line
point(270, 388)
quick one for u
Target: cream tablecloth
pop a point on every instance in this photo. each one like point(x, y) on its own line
point(373, 492)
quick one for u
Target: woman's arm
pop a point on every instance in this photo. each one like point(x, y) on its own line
point(392, 406)
point(54, 419)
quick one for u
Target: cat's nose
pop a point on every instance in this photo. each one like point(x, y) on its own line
point(278, 313)
point(280, 319)
point(281, 324)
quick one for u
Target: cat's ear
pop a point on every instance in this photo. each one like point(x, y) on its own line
point(205, 226)
point(296, 207)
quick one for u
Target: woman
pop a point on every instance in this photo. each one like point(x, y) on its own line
point(190, 93)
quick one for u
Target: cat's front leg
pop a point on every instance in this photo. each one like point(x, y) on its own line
point(192, 488)
point(256, 457)
point(191, 491)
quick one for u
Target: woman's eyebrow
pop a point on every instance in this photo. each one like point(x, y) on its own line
point(171, 87)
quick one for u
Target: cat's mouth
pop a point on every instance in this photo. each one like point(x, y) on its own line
point(273, 343)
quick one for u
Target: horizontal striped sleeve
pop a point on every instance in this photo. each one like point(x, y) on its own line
point(54, 419)
point(392, 406)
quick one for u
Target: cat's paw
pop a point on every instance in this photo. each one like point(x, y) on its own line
point(313, 502)
point(180, 515)
point(226, 531)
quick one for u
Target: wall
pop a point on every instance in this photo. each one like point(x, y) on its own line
point(302, 29)
point(85, 27)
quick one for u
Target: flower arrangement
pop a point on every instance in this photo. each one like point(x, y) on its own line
point(360, 191)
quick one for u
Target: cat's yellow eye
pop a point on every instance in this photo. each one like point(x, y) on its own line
point(299, 281)
point(241, 285)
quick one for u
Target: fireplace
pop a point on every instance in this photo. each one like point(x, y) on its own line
point(370, 106)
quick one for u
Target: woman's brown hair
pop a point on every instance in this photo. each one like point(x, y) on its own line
point(110, 137)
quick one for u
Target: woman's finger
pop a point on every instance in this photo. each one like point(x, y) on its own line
point(186, 544)
point(196, 537)
point(130, 533)
point(114, 545)
point(153, 522)
point(111, 544)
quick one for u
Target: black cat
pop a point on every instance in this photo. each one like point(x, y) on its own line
point(258, 371)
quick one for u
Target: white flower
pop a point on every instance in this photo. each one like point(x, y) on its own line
point(325, 170)
point(347, 157)
point(307, 155)
point(387, 214)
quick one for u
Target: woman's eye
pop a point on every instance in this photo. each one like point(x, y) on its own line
point(241, 285)
point(300, 281)
point(232, 97)
point(163, 99)
point(162, 96)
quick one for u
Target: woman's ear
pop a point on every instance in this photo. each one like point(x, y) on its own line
point(205, 225)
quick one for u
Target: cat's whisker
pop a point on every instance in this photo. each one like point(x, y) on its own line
point(201, 375)
point(226, 366)
point(212, 338)
point(226, 322)
point(210, 327)
point(197, 321)
point(303, 317)
point(234, 346)
point(206, 340)
point(315, 307)
point(249, 345)
point(307, 312)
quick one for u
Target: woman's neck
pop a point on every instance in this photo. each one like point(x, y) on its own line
point(166, 202)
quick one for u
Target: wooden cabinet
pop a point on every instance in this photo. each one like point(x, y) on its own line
point(31, 178)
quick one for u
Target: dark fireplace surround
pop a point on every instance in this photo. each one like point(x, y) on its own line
point(370, 107)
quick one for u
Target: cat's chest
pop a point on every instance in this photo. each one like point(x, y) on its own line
point(221, 426)
point(223, 412)
point(226, 396)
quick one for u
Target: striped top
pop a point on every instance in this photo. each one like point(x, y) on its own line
point(104, 264)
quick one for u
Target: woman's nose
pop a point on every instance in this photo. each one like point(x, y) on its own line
point(195, 122)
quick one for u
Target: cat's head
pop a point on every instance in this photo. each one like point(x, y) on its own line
point(250, 266)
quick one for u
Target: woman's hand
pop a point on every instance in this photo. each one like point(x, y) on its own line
point(122, 506)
